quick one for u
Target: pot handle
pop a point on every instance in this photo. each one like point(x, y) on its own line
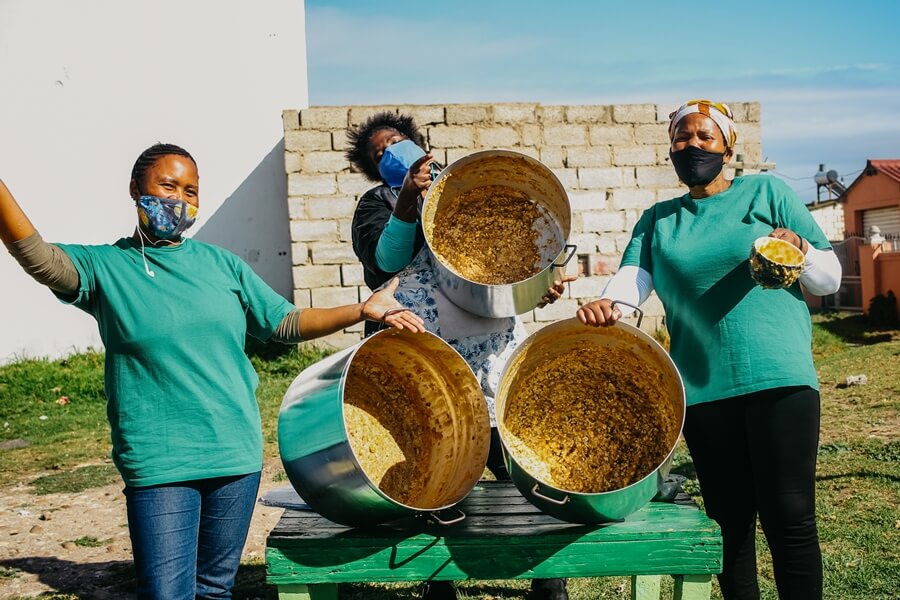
point(440, 521)
point(571, 248)
point(435, 170)
point(639, 311)
point(535, 492)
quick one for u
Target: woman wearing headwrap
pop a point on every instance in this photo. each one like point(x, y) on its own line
point(744, 352)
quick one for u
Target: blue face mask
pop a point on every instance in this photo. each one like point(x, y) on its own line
point(165, 218)
point(396, 161)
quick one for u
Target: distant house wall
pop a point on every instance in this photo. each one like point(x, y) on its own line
point(869, 192)
point(612, 160)
point(830, 217)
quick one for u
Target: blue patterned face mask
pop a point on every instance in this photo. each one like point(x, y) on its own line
point(165, 218)
point(396, 161)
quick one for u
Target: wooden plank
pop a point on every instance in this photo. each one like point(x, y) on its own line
point(692, 587)
point(500, 561)
point(645, 587)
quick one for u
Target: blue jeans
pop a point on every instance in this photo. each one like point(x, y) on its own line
point(187, 537)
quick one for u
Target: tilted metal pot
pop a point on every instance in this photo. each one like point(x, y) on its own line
point(555, 341)
point(316, 445)
point(520, 173)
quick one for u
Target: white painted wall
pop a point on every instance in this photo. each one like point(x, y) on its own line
point(86, 85)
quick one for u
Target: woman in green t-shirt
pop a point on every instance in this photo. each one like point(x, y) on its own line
point(744, 352)
point(173, 315)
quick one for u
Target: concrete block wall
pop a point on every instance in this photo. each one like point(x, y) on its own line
point(612, 160)
point(830, 217)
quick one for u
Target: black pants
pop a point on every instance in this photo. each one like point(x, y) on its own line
point(756, 454)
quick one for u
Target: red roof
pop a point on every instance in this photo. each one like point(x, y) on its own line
point(891, 168)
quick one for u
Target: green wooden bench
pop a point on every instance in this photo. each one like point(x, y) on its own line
point(502, 537)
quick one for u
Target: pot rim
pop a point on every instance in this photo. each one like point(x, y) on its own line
point(341, 385)
point(657, 349)
point(446, 172)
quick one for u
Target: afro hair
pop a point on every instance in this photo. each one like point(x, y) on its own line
point(360, 139)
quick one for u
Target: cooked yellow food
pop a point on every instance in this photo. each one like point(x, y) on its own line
point(590, 420)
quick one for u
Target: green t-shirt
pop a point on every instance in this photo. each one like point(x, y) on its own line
point(180, 391)
point(728, 336)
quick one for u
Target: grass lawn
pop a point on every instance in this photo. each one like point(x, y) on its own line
point(858, 472)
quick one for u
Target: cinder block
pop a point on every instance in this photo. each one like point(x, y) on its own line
point(327, 253)
point(330, 208)
point(446, 136)
point(586, 243)
point(612, 135)
point(587, 287)
point(552, 113)
point(297, 207)
point(353, 184)
point(581, 200)
point(622, 241)
point(292, 162)
point(601, 178)
point(531, 135)
point(324, 162)
point(564, 308)
point(352, 275)
point(311, 185)
point(607, 245)
point(299, 253)
point(468, 114)
point(587, 156)
point(634, 113)
point(358, 114)
point(339, 141)
point(567, 177)
point(454, 154)
point(313, 231)
point(515, 113)
point(622, 199)
point(291, 119)
point(752, 112)
point(302, 140)
point(424, 114)
point(656, 133)
point(534, 326)
point(324, 117)
point(553, 156)
point(315, 276)
point(588, 113)
point(631, 218)
point(664, 110)
point(634, 157)
point(326, 297)
point(656, 177)
point(748, 134)
point(565, 135)
point(603, 221)
point(669, 193)
point(302, 298)
point(345, 230)
point(498, 137)
point(529, 151)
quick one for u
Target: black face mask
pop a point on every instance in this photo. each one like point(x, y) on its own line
point(695, 166)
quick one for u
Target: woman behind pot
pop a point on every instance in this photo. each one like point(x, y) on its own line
point(389, 241)
point(744, 352)
point(173, 314)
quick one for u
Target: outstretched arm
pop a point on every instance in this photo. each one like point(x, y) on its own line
point(14, 223)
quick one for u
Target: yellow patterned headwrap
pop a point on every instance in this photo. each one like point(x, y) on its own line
point(719, 112)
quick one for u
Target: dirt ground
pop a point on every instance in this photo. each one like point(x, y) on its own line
point(38, 533)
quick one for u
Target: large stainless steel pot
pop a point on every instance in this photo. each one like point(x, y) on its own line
point(553, 341)
point(316, 450)
point(521, 173)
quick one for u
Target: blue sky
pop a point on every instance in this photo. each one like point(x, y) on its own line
point(827, 73)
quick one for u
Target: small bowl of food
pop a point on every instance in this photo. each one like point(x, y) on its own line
point(775, 263)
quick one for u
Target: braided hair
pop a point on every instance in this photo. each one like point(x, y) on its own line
point(359, 138)
point(149, 156)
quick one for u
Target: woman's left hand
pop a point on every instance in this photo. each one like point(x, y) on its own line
point(789, 236)
point(383, 307)
point(556, 290)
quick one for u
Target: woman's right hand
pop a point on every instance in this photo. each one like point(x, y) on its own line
point(416, 182)
point(599, 313)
